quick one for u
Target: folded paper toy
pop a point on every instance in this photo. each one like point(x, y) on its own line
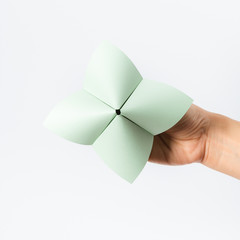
point(118, 112)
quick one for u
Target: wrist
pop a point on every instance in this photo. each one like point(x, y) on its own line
point(222, 146)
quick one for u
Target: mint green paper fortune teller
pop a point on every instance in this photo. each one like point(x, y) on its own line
point(118, 112)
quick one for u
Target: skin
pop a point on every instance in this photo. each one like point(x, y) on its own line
point(200, 137)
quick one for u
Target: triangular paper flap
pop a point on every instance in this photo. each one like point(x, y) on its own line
point(124, 147)
point(110, 75)
point(156, 106)
point(80, 118)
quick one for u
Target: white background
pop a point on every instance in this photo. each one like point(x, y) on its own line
point(54, 189)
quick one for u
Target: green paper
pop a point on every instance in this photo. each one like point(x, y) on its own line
point(156, 106)
point(80, 118)
point(111, 76)
point(124, 147)
point(146, 108)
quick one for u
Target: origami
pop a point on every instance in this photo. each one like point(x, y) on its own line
point(118, 112)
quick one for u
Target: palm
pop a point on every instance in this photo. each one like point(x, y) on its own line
point(184, 142)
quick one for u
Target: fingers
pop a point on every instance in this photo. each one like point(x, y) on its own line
point(160, 151)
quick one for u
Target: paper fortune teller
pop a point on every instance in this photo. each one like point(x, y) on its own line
point(118, 111)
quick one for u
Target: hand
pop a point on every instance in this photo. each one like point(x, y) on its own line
point(200, 136)
point(185, 142)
